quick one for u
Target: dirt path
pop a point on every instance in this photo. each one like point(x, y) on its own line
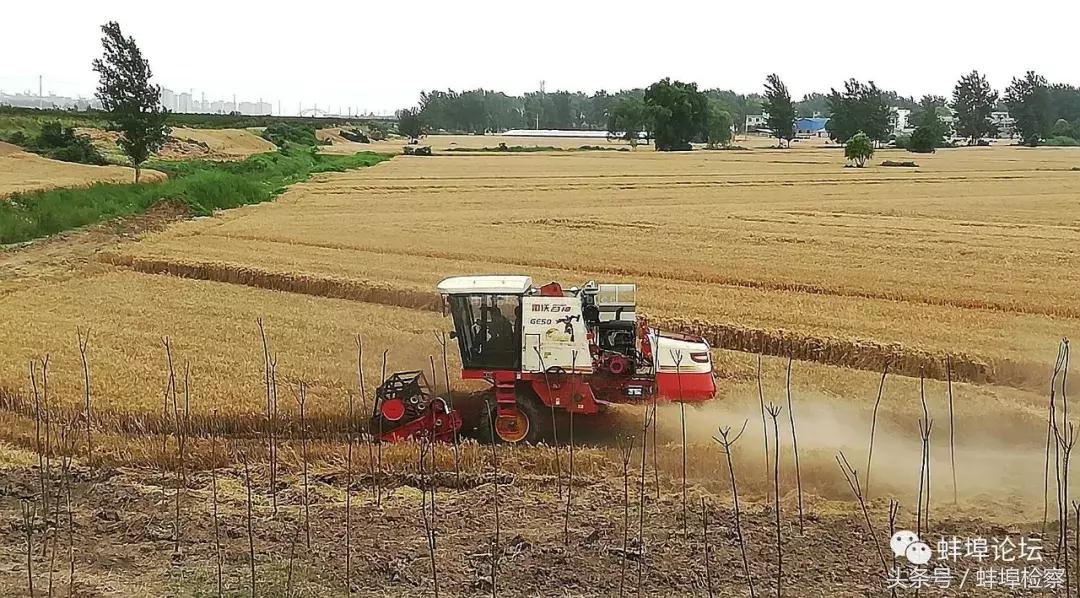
point(71, 254)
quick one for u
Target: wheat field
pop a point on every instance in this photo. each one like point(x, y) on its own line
point(21, 172)
point(969, 256)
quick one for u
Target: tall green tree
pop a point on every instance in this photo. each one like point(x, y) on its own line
point(813, 104)
point(678, 112)
point(719, 126)
point(627, 120)
point(125, 92)
point(929, 104)
point(780, 109)
point(1028, 100)
point(973, 100)
point(410, 123)
point(860, 107)
point(931, 132)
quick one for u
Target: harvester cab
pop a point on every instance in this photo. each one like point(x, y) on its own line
point(545, 350)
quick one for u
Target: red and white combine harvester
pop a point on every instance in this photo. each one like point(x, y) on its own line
point(545, 349)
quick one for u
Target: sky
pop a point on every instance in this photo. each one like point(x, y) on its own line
point(378, 56)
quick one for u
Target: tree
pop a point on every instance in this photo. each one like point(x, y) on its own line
point(813, 104)
point(133, 103)
point(929, 103)
point(627, 120)
point(973, 100)
point(410, 123)
point(861, 107)
point(1028, 100)
point(719, 126)
point(1062, 128)
point(859, 149)
point(931, 132)
point(678, 113)
point(780, 109)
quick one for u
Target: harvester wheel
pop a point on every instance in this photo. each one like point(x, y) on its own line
point(526, 425)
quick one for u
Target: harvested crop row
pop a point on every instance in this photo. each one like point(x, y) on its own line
point(860, 354)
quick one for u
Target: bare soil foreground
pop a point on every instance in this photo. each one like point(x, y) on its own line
point(124, 529)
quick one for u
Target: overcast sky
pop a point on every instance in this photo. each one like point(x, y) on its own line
point(377, 56)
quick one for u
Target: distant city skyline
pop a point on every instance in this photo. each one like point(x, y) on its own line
point(187, 101)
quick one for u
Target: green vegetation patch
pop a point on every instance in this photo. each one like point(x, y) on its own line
point(203, 186)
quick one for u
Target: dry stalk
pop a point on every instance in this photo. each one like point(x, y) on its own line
point(441, 338)
point(678, 356)
point(434, 455)
point(214, 498)
point(873, 429)
point(250, 522)
point(1050, 424)
point(554, 427)
point(68, 441)
point(952, 426)
point(626, 450)
point(424, 447)
point(28, 527)
point(1066, 441)
point(181, 435)
point(270, 408)
point(794, 446)
point(378, 472)
point(84, 344)
point(923, 516)
point(655, 444)
point(705, 536)
point(47, 413)
point(348, 494)
point(364, 409)
point(570, 480)
point(39, 449)
point(170, 383)
point(764, 425)
point(498, 522)
point(641, 504)
point(727, 443)
point(894, 510)
point(301, 401)
point(851, 476)
point(774, 412)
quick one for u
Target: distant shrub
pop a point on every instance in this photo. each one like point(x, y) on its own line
point(281, 134)
point(859, 149)
point(61, 143)
point(900, 163)
point(18, 138)
point(1061, 141)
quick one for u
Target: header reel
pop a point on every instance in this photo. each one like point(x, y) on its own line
point(406, 408)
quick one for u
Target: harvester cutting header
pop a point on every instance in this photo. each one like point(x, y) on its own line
point(546, 349)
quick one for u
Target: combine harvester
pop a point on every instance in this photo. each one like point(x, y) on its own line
point(543, 349)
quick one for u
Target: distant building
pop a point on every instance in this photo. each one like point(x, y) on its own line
point(169, 99)
point(901, 121)
point(811, 127)
point(757, 121)
point(183, 103)
point(1006, 125)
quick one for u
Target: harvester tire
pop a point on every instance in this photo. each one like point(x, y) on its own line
point(537, 421)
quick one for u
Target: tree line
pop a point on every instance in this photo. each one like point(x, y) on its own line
point(675, 113)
